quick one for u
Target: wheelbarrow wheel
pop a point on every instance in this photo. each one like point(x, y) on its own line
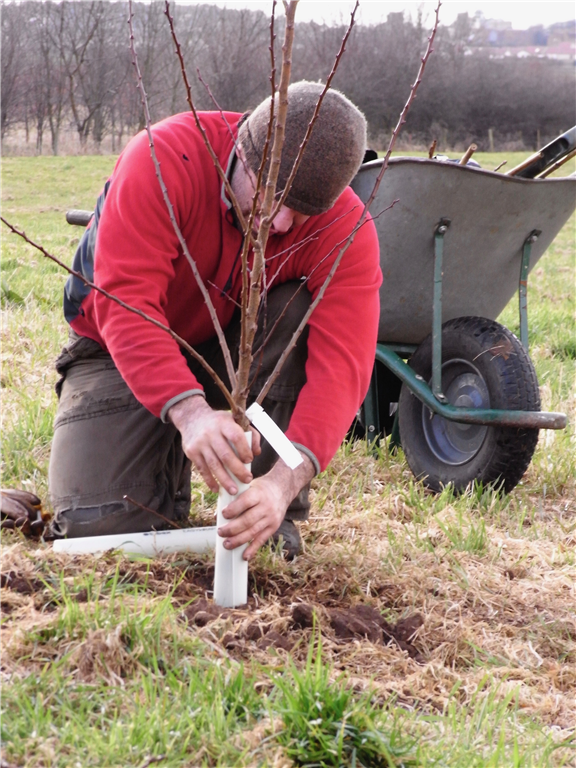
point(483, 366)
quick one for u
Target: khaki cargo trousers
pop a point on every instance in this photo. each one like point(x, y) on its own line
point(108, 446)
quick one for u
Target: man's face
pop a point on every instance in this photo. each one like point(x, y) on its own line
point(244, 184)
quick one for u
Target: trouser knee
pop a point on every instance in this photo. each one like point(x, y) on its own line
point(114, 467)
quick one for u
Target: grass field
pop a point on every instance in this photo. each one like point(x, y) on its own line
point(467, 603)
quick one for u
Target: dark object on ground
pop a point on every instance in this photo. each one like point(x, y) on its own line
point(363, 621)
point(302, 615)
point(22, 510)
point(483, 366)
point(21, 584)
point(291, 541)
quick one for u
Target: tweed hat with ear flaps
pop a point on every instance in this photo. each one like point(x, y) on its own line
point(333, 154)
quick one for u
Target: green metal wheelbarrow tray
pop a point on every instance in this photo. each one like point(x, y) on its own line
point(457, 244)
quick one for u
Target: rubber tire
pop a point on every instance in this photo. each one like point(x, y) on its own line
point(503, 453)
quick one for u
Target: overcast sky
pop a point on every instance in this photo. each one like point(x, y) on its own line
point(522, 13)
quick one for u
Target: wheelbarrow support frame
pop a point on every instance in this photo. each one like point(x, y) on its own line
point(433, 397)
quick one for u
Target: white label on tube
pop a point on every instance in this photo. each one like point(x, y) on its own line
point(272, 432)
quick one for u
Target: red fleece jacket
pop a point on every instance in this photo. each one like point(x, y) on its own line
point(138, 258)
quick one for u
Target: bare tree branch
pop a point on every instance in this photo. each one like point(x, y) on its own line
point(256, 198)
point(209, 305)
point(215, 160)
point(314, 118)
point(184, 344)
point(407, 105)
point(401, 120)
point(249, 324)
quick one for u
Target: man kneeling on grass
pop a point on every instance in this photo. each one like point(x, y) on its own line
point(134, 412)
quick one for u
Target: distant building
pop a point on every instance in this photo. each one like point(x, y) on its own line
point(497, 40)
point(496, 25)
point(565, 52)
point(563, 32)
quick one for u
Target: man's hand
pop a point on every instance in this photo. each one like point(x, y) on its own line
point(209, 439)
point(258, 512)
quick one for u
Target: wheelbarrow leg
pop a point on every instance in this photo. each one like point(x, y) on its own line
point(395, 441)
point(371, 415)
point(441, 229)
point(523, 285)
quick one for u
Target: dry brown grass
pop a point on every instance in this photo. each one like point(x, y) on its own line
point(506, 612)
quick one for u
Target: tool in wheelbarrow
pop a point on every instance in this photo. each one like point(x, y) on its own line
point(546, 158)
point(455, 248)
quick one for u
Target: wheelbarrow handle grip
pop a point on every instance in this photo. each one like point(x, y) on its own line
point(547, 156)
point(79, 218)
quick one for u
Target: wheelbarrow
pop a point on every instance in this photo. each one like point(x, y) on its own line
point(454, 387)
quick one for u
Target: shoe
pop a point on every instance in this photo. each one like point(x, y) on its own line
point(291, 541)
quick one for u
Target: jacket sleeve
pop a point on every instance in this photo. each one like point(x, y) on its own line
point(135, 253)
point(342, 336)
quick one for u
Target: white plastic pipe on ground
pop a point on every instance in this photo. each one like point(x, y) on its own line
point(149, 543)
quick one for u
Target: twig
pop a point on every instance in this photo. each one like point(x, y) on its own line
point(209, 305)
point(317, 266)
point(401, 120)
point(244, 298)
point(153, 759)
point(314, 118)
point(249, 324)
point(406, 108)
point(214, 157)
point(216, 103)
point(432, 149)
point(504, 162)
point(152, 511)
point(183, 343)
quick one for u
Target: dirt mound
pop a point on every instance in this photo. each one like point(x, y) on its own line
point(344, 625)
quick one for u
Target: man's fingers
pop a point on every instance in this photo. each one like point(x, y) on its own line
point(253, 517)
point(231, 461)
point(236, 437)
point(204, 470)
point(213, 442)
point(258, 542)
point(214, 473)
point(241, 514)
point(214, 462)
point(256, 534)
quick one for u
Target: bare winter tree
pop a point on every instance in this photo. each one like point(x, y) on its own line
point(48, 74)
point(81, 49)
point(465, 95)
point(235, 61)
point(12, 57)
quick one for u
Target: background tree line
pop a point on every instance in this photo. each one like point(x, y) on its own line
point(66, 68)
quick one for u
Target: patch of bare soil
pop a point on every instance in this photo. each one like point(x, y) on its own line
point(356, 622)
